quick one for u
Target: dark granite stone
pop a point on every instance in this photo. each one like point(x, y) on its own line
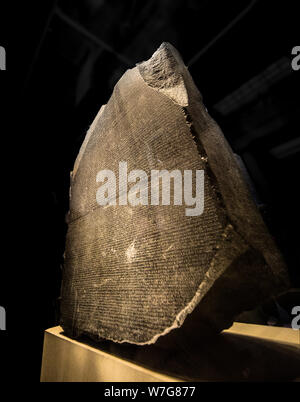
point(142, 274)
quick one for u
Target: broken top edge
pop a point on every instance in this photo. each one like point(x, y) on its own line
point(165, 71)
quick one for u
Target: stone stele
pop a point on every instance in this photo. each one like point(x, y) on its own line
point(145, 274)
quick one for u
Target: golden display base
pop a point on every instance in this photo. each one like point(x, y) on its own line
point(67, 360)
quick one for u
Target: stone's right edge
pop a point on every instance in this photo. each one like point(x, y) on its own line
point(259, 272)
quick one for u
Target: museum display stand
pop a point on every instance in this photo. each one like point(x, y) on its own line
point(244, 352)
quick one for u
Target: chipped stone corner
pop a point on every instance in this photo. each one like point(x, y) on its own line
point(165, 72)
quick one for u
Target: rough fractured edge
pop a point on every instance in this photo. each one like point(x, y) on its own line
point(165, 72)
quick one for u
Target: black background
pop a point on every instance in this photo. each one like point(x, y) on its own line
point(58, 75)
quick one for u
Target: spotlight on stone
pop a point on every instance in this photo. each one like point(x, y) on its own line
point(148, 273)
